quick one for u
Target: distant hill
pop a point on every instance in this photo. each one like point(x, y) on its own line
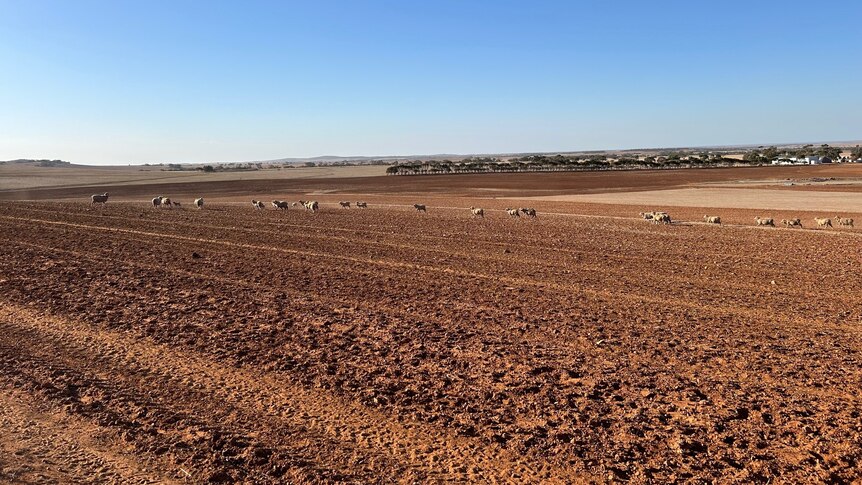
point(331, 159)
point(38, 163)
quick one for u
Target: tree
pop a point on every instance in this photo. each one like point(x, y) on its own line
point(208, 168)
point(856, 153)
point(770, 153)
point(752, 156)
point(827, 151)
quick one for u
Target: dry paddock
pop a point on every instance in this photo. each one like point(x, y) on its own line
point(384, 345)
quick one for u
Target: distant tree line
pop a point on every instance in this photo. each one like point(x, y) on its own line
point(563, 163)
point(605, 161)
point(768, 154)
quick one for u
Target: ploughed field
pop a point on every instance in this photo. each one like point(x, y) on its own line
point(380, 345)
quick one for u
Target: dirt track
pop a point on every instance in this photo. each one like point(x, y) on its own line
point(385, 345)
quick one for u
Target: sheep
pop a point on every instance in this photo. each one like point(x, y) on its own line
point(99, 198)
point(363, 205)
point(650, 216)
point(280, 204)
point(293, 204)
point(420, 207)
point(529, 211)
point(344, 204)
point(712, 219)
point(661, 218)
point(768, 221)
point(258, 204)
point(199, 202)
point(823, 222)
point(177, 204)
point(513, 212)
point(844, 221)
point(311, 205)
point(791, 222)
point(162, 201)
point(477, 212)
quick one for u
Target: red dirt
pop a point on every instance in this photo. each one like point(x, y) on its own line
point(385, 345)
point(482, 185)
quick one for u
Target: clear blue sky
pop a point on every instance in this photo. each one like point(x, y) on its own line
point(184, 81)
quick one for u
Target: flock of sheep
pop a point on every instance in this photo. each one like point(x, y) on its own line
point(820, 221)
point(346, 204)
point(480, 212)
point(663, 217)
point(657, 217)
point(167, 203)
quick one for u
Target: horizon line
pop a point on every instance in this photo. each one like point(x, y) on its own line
point(462, 155)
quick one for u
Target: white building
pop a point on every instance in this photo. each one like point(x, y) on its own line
point(809, 160)
point(817, 160)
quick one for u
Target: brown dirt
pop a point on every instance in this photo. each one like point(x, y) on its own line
point(384, 345)
point(723, 197)
point(478, 185)
point(24, 177)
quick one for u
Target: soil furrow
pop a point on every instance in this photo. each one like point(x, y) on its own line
point(274, 401)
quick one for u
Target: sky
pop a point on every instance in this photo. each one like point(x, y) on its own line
point(130, 82)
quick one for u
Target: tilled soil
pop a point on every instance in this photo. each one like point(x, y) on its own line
point(80, 185)
point(369, 346)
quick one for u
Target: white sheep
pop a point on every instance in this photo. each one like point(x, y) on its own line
point(791, 222)
point(99, 198)
point(823, 221)
point(258, 204)
point(764, 221)
point(363, 205)
point(661, 218)
point(842, 221)
point(513, 212)
point(199, 202)
point(651, 216)
point(311, 205)
point(712, 219)
point(477, 212)
point(166, 202)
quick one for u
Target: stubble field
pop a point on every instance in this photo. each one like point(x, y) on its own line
point(380, 345)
